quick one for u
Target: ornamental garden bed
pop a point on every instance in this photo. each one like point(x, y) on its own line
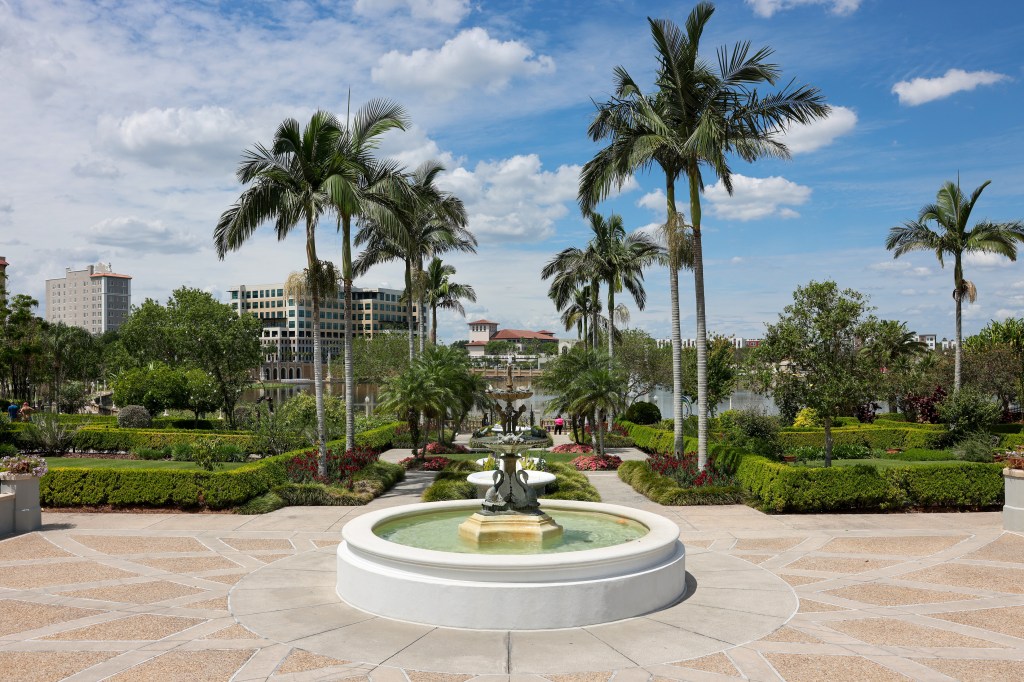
point(451, 484)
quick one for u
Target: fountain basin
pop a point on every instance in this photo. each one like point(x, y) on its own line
point(538, 480)
point(511, 591)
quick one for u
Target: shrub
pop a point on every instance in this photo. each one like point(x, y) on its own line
point(643, 412)
point(665, 490)
point(920, 455)
point(570, 484)
point(263, 504)
point(204, 454)
point(753, 431)
point(782, 488)
point(967, 411)
point(319, 495)
point(436, 448)
point(573, 448)
point(48, 435)
point(101, 439)
point(451, 484)
point(922, 408)
point(153, 453)
point(685, 472)
point(806, 417)
point(134, 417)
point(181, 452)
point(7, 450)
point(341, 466)
point(976, 447)
point(880, 437)
point(383, 437)
point(851, 451)
point(597, 463)
point(244, 415)
point(891, 417)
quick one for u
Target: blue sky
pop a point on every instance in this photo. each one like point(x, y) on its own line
point(126, 119)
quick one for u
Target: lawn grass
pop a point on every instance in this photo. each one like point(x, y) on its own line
point(99, 463)
point(879, 463)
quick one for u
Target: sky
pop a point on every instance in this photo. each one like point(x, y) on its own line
point(126, 121)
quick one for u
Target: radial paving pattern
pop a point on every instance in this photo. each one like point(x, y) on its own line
point(882, 597)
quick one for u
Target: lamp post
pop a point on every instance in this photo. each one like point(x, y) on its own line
point(366, 403)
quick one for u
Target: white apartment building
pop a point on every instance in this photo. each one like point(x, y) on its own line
point(288, 324)
point(96, 299)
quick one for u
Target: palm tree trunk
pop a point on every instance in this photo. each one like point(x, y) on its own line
point(318, 380)
point(433, 325)
point(674, 246)
point(611, 321)
point(702, 336)
point(346, 275)
point(957, 353)
point(408, 294)
point(828, 441)
point(600, 435)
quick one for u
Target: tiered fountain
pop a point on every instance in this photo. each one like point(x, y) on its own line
point(506, 563)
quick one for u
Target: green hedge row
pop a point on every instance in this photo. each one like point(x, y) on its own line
point(101, 439)
point(654, 440)
point(666, 491)
point(784, 488)
point(880, 437)
point(380, 438)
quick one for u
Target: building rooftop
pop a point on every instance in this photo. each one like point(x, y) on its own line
point(510, 334)
point(481, 322)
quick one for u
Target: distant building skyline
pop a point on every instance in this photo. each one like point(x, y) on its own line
point(97, 299)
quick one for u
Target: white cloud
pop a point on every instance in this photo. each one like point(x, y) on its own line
point(444, 11)
point(179, 138)
point(142, 236)
point(986, 260)
point(754, 198)
point(766, 8)
point(470, 60)
point(806, 137)
point(513, 197)
point(98, 168)
point(890, 266)
point(412, 147)
point(908, 292)
point(921, 90)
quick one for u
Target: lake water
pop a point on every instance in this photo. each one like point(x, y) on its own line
point(740, 400)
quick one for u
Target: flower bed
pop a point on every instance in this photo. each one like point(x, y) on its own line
point(23, 464)
point(666, 490)
point(436, 448)
point(425, 464)
point(597, 463)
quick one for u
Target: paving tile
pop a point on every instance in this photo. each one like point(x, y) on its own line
point(726, 625)
point(791, 635)
point(248, 544)
point(66, 573)
point(965, 575)
point(187, 666)
point(371, 641)
point(905, 545)
point(895, 595)
point(715, 663)
point(196, 564)
point(290, 625)
point(648, 641)
point(812, 606)
point(233, 632)
point(300, 661)
point(47, 666)
point(895, 632)
point(479, 652)
point(139, 544)
point(774, 544)
point(137, 593)
point(840, 565)
point(580, 677)
point(1009, 548)
point(1008, 620)
point(22, 616)
point(562, 651)
point(965, 669)
point(132, 628)
point(804, 668)
point(30, 546)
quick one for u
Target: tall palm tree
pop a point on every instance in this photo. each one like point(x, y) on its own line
point(296, 180)
point(578, 311)
point(411, 394)
point(699, 115)
point(599, 390)
point(951, 212)
point(425, 222)
point(441, 292)
point(366, 188)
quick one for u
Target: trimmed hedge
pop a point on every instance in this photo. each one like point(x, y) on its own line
point(654, 440)
point(666, 491)
point(102, 439)
point(783, 488)
point(927, 436)
point(570, 484)
point(380, 438)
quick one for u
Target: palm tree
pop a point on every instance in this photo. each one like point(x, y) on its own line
point(365, 188)
point(699, 116)
point(297, 179)
point(441, 292)
point(578, 310)
point(598, 390)
point(893, 349)
point(951, 212)
point(411, 394)
point(426, 222)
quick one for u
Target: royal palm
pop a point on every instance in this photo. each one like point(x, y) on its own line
point(951, 238)
point(441, 292)
point(699, 115)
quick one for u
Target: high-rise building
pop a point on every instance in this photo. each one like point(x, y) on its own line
point(288, 324)
point(3, 276)
point(96, 299)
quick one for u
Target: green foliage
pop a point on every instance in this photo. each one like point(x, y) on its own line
point(451, 484)
point(319, 495)
point(643, 412)
point(376, 359)
point(500, 348)
point(722, 371)
point(666, 491)
point(134, 417)
point(204, 454)
point(380, 438)
point(656, 440)
point(807, 417)
point(891, 417)
point(784, 488)
point(153, 454)
point(47, 434)
point(570, 484)
point(976, 447)
point(99, 439)
point(753, 431)
point(920, 455)
point(296, 418)
point(882, 437)
point(263, 504)
point(967, 411)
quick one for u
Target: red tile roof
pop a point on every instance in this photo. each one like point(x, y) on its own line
point(545, 331)
point(481, 322)
point(515, 334)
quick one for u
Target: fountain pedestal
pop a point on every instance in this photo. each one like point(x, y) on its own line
point(479, 528)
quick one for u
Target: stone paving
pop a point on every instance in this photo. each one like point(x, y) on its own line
point(881, 597)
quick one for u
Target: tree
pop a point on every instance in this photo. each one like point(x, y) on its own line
point(579, 310)
point(441, 292)
point(562, 378)
point(500, 347)
point(156, 386)
point(895, 350)
point(297, 179)
point(951, 212)
point(375, 359)
point(598, 390)
point(411, 394)
point(645, 365)
point(1008, 333)
point(816, 353)
point(994, 370)
point(698, 117)
point(721, 376)
point(201, 392)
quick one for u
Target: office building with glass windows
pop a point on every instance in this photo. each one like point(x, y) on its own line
point(96, 299)
point(288, 324)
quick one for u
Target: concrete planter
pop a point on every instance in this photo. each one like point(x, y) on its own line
point(1013, 509)
point(25, 487)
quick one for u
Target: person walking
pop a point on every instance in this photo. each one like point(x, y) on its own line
point(559, 423)
point(25, 413)
point(12, 411)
